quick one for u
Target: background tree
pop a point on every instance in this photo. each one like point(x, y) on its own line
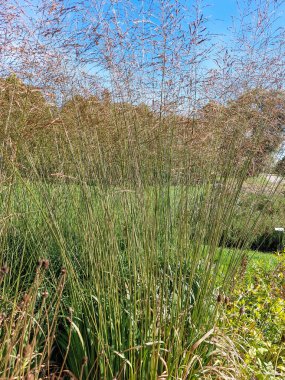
point(27, 126)
point(253, 123)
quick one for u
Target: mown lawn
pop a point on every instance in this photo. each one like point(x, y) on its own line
point(267, 261)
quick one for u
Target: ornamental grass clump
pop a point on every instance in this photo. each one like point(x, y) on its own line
point(127, 134)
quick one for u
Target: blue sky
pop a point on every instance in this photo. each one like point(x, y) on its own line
point(220, 14)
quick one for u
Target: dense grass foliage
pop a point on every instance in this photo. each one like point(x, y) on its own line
point(127, 136)
point(28, 322)
point(143, 268)
point(144, 259)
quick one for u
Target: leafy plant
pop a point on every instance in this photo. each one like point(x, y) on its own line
point(254, 319)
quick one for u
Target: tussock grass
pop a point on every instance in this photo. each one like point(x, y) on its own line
point(143, 270)
point(131, 188)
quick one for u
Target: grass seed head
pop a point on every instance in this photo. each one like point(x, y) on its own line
point(45, 294)
point(241, 310)
point(26, 298)
point(5, 269)
point(28, 351)
point(43, 264)
point(84, 360)
point(227, 300)
point(25, 301)
point(30, 376)
point(219, 298)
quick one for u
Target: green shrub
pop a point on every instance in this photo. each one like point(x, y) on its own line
point(254, 319)
point(254, 221)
